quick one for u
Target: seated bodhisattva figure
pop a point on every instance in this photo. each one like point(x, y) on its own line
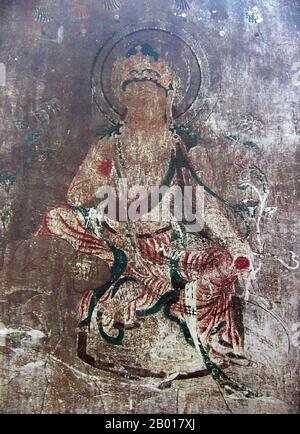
point(155, 260)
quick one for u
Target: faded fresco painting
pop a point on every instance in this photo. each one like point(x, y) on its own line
point(149, 206)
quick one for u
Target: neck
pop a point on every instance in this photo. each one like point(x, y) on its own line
point(145, 124)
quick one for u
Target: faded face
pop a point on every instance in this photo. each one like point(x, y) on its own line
point(145, 99)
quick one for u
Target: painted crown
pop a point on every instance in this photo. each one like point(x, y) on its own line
point(144, 67)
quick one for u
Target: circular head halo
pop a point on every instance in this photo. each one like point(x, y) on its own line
point(184, 57)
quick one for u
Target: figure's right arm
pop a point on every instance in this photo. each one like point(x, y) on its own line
point(91, 175)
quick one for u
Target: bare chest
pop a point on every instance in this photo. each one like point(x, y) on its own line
point(145, 163)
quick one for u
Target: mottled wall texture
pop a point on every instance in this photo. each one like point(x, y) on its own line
point(210, 95)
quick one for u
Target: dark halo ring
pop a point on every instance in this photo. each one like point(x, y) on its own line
point(189, 62)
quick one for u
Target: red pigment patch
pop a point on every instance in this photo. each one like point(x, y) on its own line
point(104, 168)
point(227, 281)
point(242, 263)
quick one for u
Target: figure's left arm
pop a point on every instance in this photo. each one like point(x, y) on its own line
point(217, 224)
